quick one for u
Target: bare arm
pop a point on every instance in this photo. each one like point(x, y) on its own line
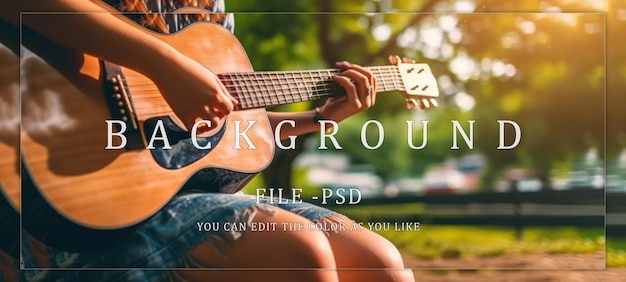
point(92, 28)
point(95, 30)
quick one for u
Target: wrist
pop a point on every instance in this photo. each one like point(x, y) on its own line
point(318, 116)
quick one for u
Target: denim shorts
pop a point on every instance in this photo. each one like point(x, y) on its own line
point(160, 243)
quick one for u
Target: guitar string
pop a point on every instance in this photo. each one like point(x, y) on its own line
point(256, 82)
point(245, 101)
point(311, 86)
point(263, 83)
point(314, 92)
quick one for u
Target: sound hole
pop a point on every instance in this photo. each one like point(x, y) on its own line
point(183, 151)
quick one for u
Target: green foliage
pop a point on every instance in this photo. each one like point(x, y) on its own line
point(543, 70)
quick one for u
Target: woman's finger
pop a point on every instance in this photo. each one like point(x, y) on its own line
point(370, 88)
point(363, 86)
point(351, 91)
point(222, 104)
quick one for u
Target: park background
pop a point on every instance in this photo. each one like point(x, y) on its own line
point(555, 67)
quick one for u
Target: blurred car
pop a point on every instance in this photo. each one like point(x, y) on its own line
point(404, 186)
point(523, 185)
point(615, 184)
point(583, 179)
point(361, 177)
point(444, 180)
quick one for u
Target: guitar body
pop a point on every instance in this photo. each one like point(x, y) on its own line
point(86, 188)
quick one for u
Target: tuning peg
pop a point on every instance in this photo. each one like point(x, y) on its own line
point(394, 59)
point(411, 103)
point(408, 60)
point(433, 102)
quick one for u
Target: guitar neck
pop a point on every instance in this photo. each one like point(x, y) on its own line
point(272, 88)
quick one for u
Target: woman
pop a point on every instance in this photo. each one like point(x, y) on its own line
point(195, 93)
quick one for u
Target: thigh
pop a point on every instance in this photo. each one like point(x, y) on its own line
point(354, 247)
point(182, 236)
point(284, 252)
point(362, 255)
point(163, 241)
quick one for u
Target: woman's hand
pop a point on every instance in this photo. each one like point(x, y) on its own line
point(360, 86)
point(193, 92)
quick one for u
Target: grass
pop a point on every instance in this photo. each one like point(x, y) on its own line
point(484, 241)
point(616, 252)
point(489, 241)
point(472, 241)
point(478, 241)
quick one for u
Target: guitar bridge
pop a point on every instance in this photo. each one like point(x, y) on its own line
point(120, 106)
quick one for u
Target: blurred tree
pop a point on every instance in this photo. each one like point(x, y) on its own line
point(319, 34)
point(544, 70)
point(616, 77)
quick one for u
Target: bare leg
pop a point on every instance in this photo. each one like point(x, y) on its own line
point(366, 249)
point(301, 255)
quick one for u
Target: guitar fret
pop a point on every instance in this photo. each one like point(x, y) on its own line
point(273, 83)
point(287, 88)
point(312, 92)
point(330, 78)
point(303, 90)
point(308, 85)
point(244, 88)
point(283, 94)
point(296, 84)
point(319, 93)
point(271, 88)
point(394, 82)
point(261, 91)
point(330, 84)
point(267, 82)
point(250, 90)
point(382, 79)
point(256, 89)
point(239, 90)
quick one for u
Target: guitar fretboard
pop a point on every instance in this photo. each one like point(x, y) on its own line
point(272, 88)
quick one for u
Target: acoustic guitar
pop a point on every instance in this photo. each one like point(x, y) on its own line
point(76, 193)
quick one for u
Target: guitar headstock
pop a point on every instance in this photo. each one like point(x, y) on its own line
point(420, 85)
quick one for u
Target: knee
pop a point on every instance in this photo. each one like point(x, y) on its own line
point(373, 251)
point(383, 258)
point(307, 249)
point(384, 255)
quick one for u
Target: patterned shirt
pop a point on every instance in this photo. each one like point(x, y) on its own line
point(177, 21)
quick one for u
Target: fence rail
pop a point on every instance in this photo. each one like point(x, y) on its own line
point(581, 207)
